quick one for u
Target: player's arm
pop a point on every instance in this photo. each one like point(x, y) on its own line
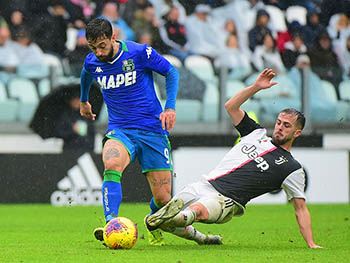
point(168, 117)
point(85, 84)
point(263, 81)
point(304, 220)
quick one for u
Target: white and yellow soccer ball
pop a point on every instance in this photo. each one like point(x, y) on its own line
point(120, 233)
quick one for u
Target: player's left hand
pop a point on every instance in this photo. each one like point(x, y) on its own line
point(168, 119)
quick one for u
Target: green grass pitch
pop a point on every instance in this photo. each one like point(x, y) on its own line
point(266, 233)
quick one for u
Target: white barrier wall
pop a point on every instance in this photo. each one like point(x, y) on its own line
point(328, 172)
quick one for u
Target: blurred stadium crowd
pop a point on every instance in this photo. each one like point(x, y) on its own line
point(42, 45)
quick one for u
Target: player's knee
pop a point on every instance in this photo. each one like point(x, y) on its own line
point(201, 211)
point(112, 164)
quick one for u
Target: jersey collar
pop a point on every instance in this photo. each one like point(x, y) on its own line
point(120, 51)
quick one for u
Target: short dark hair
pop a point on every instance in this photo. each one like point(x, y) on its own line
point(300, 116)
point(97, 28)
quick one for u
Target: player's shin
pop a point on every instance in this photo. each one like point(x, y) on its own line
point(111, 194)
point(190, 233)
point(184, 218)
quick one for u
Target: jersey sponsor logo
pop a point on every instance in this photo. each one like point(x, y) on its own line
point(128, 65)
point(149, 52)
point(98, 70)
point(281, 160)
point(251, 152)
point(114, 81)
point(81, 186)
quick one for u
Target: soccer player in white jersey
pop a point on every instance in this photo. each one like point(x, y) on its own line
point(257, 165)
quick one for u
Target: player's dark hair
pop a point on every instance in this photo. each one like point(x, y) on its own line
point(300, 116)
point(98, 27)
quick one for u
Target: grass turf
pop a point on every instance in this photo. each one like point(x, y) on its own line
point(266, 233)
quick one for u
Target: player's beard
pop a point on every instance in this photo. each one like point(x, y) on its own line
point(280, 140)
point(107, 57)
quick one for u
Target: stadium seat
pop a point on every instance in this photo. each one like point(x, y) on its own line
point(103, 116)
point(344, 90)
point(8, 107)
point(277, 18)
point(71, 38)
point(210, 110)
point(342, 107)
point(54, 63)
point(44, 87)
point(296, 13)
point(233, 87)
point(38, 71)
point(25, 91)
point(188, 110)
point(173, 60)
point(201, 67)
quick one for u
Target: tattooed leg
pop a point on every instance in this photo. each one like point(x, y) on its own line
point(160, 183)
point(115, 159)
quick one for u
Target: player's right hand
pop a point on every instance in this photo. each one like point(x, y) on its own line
point(263, 81)
point(86, 111)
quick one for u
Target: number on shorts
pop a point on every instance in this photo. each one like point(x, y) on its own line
point(166, 154)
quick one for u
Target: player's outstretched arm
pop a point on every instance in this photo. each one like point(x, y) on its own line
point(263, 81)
point(304, 220)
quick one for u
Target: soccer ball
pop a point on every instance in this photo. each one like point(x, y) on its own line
point(120, 233)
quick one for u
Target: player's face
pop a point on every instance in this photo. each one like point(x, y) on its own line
point(286, 129)
point(102, 48)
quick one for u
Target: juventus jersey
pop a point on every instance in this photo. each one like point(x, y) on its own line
point(256, 166)
point(127, 86)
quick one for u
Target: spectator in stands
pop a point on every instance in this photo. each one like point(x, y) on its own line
point(332, 7)
point(284, 37)
point(82, 11)
point(173, 35)
point(293, 49)
point(284, 4)
point(144, 37)
point(145, 20)
point(28, 51)
point(50, 29)
point(190, 5)
point(110, 12)
point(312, 28)
point(77, 56)
point(267, 56)
point(162, 7)
point(324, 62)
point(235, 59)
point(338, 28)
point(258, 32)
point(7, 50)
point(15, 21)
point(201, 30)
point(78, 133)
point(128, 8)
point(342, 49)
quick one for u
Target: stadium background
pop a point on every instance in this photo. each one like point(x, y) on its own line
point(32, 169)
